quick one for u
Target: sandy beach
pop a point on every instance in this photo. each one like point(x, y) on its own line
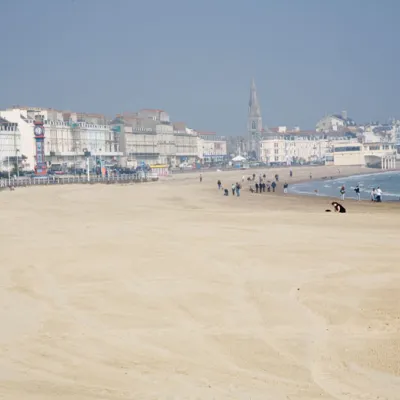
point(170, 290)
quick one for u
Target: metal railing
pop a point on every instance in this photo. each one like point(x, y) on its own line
point(65, 180)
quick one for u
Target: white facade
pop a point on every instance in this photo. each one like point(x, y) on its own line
point(297, 149)
point(25, 128)
point(65, 141)
point(212, 150)
point(10, 143)
point(330, 123)
point(162, 146)
point(362, 153)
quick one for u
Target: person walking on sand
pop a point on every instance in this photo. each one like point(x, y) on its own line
point(310, 175)
point(342, 192)
point(233, 189)
point(378, 195)
point(373, 194)
point(219, 183)
point(243, 177)
point(257, 187)
point(285, 187)
point(291, 173)
point(201, 178)
point(273, 185)
point(237, 189)
point(357, 190)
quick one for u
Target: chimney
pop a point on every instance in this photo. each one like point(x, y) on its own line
point(344, 115)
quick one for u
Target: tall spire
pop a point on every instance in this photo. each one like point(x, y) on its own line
point(254, 123)
point(254, 106)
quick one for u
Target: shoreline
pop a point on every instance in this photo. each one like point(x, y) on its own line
point(346, 176)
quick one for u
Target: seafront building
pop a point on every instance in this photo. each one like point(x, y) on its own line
point(130, 139)
point(10, 145)
point(337, 139)
point(149, 137)
point(68, 136)
point(286, 147)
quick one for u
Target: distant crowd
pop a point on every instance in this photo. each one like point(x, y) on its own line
point(256, 185)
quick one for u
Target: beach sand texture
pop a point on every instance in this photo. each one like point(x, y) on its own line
point(170, 290)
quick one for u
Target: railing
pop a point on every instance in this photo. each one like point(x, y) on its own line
point(65, 180)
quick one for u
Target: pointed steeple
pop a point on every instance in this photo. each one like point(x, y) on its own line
point(254, 106)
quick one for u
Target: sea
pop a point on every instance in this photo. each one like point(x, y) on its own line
point(389, 182)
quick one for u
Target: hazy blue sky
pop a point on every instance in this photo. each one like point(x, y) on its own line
point(195, 59)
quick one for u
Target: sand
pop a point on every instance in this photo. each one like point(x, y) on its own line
point(169, 290)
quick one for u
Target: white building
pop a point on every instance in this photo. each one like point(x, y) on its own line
point(212, 150)
point(10, 144)
point(299, 146)
point(362, 154)
point(67, 136)
point(334, 122)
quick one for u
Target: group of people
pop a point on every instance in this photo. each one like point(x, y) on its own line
point(261, 185)
point(236, 188)
point(376, 193)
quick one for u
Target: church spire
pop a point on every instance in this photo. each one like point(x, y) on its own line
point(254, 106)
point(254, 123)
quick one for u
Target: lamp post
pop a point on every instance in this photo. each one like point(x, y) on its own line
point(17, 161)
point(9, 172)
point(87, 155)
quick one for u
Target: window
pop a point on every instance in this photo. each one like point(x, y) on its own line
point(253, 125)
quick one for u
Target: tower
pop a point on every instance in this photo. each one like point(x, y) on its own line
point(38, 130)
point(254, 122)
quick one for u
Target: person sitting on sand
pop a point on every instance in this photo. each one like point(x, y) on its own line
point(338, 207)
point(226, 192)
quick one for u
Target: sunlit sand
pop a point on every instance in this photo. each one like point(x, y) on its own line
point(170, 290)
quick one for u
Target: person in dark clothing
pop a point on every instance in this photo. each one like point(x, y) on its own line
point(238, 187)
point(257, 187)
point(291, 173)
point(357, 190)
point(277, 177)
point(338, 207)
point(226, 192)
point(219, 183)
point(285, 187)
point(273, 185)
point(268, 188)
point(263, 187)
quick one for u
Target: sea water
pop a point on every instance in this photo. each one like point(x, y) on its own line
point(389, 182)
